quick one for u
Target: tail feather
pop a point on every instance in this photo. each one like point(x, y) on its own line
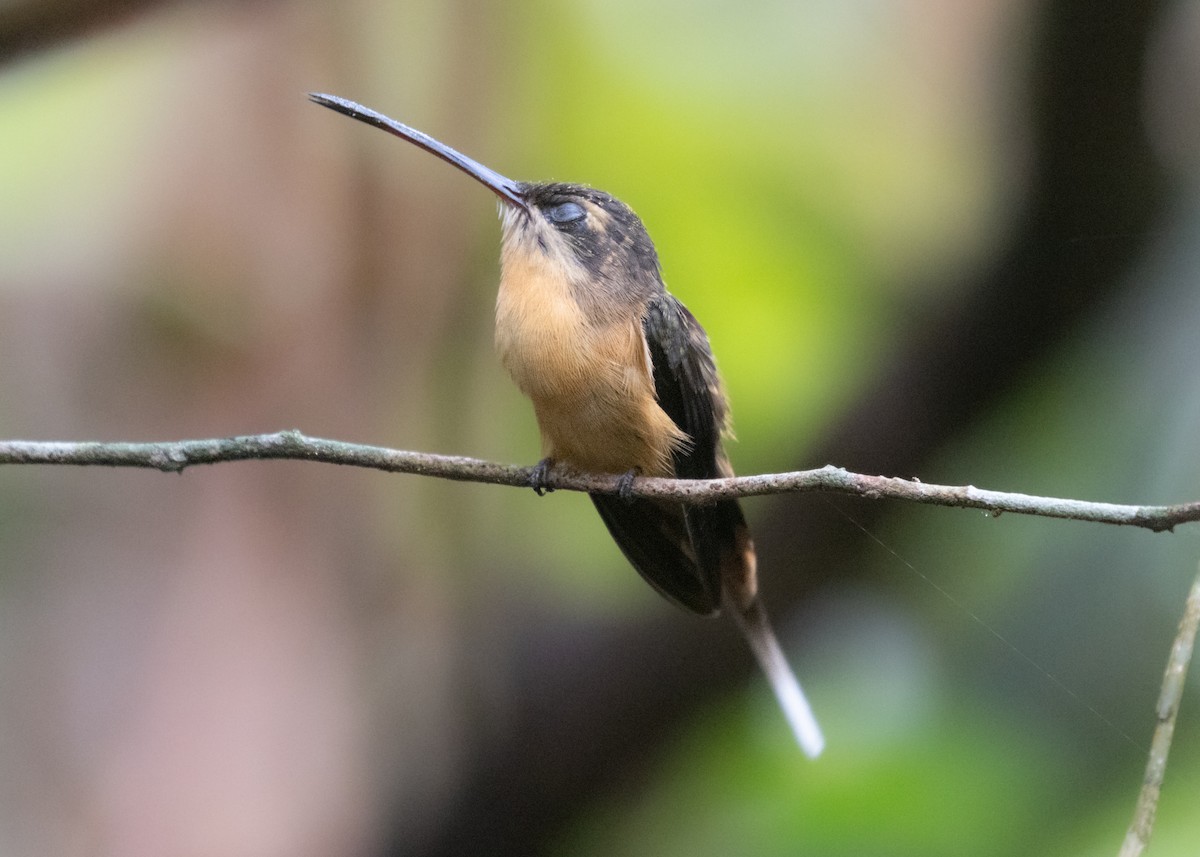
point(757, 630)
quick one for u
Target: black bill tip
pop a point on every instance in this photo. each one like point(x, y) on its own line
point(508, 190)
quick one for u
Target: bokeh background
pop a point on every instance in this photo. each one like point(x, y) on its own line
point(952, 240)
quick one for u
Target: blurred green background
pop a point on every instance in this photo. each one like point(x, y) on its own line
point(958, 241)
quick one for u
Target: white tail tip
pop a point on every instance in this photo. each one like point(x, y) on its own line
point(799, 713)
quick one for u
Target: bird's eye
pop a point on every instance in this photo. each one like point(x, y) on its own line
point(565, 212)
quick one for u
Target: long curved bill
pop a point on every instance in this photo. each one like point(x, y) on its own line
point(505, 188)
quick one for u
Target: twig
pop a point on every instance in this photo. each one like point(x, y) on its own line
point(1168, 709)
point(174, 456)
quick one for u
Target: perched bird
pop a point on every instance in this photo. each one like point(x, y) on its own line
point(622, 381)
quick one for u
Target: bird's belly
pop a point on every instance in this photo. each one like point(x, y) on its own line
point(600, 430)
point(591, 389)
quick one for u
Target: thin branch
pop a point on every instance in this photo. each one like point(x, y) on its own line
point(1168, 709)
point(175, 456)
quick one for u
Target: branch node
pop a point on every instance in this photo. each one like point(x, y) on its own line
point(168, 459)
point(291, 437)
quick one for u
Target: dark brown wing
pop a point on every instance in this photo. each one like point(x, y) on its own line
point(678, 548)
point(653, 535)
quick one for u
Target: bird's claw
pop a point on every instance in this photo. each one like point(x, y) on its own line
point(539, 476)
point(625, 485)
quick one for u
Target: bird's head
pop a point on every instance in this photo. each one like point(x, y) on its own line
point(589, 238)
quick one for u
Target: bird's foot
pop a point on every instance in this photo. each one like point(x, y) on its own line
point(539, 476)
point(625, 485)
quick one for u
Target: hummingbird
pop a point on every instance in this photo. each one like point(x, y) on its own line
point(623, 381)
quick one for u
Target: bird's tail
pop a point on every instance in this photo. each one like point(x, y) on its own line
point(757, 629)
